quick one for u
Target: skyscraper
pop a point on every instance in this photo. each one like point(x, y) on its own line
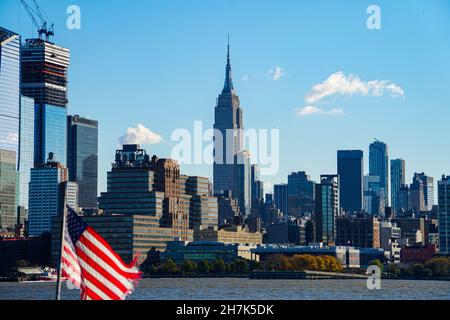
point(398, 179)
point(26, 148)
point(300, 194)
point(242, 182)
point(444, 215)
point(327, 208)
point(140, 185)
point(428, 189)
point(350, 170)
point(82, 158)
point(46, 195)
point(373, 204)
point(8, 189)
point(379, 166)
point(228, 134)
point(44, 78)
point(257, 186)
point(280, 197)
point(9, 91)
point(417, 193)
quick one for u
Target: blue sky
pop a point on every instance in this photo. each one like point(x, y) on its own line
point(161, 63)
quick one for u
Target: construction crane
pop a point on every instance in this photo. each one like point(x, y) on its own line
point(42, 26)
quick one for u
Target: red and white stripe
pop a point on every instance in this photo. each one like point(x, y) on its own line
point(97, 269)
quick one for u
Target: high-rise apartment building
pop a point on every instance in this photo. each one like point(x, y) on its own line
point(398, 179)
point(416, 194)
point(379, 166)
point(428, 189)
point(82, 158)
point(228, 134)
point(44, 78)
point(327, 208)
point(350, 170)
point(444, 215)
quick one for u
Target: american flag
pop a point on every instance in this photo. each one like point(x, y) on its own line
point(88, 262)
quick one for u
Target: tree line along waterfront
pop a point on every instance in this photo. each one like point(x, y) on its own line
point(433, 269)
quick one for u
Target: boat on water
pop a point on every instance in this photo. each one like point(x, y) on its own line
point(49, 275)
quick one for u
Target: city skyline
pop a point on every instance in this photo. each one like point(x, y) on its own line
point(265, 76)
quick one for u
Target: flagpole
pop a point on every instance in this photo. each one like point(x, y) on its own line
point(63, 225)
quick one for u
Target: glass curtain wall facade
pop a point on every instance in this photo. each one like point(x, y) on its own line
point(350, 170)
point(398, 179)
point(8, 192)
point(26, 148)
point(9, 90)
point(82, 158)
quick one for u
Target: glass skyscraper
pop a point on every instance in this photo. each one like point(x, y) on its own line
point(379, 166)
point(398, 179)
point(26, 148)
point(327, 208)
point(45, 197)
point(44, 78)
point(9, 90)
point(350, 170)
point(300, 194)
point(82, 158)
point(8, 192)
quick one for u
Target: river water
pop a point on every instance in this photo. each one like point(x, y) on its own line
point(246, 289)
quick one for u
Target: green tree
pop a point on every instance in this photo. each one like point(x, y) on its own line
point(427, 273)
point(203, 266)
point(219, 266)
point(188, 267)
point(169, 267)
point(418, 269)
point(377, 263)
point(241, 266)
point(394, 270)
point(439, 266)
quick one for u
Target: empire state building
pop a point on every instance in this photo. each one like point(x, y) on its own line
point(228, 134)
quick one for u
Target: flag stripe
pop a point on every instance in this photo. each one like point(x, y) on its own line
point(88, 243)
point(91, 235)
point(70, 272)
point(93, 292)
point(90, 263)
point(69, 257)
point(97, 281)
point(100, 270)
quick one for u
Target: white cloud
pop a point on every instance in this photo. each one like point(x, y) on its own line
point(140, 135)
point(340, 84)
point(277, 73)
point(314, 111)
